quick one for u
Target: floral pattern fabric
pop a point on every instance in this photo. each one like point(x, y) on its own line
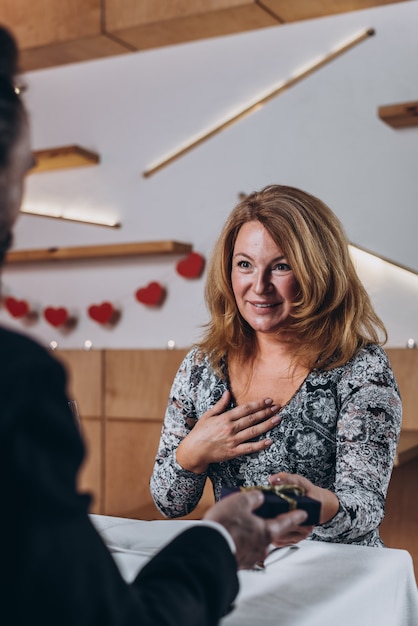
point(340, 430)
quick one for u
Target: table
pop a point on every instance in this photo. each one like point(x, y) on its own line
point(311, 584)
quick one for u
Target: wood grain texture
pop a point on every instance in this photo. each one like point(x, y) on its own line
point(143, 35)
point(399, 528)
point(138, 382)
point(91, 475)
point(404, 115)
point(63, 158)
point(85, 383)
point(405, 366)
point(75, 51)
point(129, 454)
point(42, 23)
point(106, 251)
point(309, 9)
point(71, 31)
point(131, 446)
point(125, 13)
point(407, 447)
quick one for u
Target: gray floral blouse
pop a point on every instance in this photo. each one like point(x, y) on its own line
point(340, 430)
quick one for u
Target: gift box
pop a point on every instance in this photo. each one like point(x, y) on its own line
point(280, 499)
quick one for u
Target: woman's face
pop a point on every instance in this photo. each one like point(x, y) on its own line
point(262, 280)
point(12, 176)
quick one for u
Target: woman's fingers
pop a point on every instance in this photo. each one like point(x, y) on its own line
point(258, 418)
point(253, 411)
point(299, 534)
point(222, 434)
point(329, 501)
point(295, 479)
point(247, 421)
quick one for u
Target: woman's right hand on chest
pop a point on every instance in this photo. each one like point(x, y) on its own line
point(221, 434)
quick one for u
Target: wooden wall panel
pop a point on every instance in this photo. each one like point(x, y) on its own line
point(85, 369)
point(138, 382)
point(405, 366)
point(131, 446)
point(308, 9)
point(399, 529)
point(74, 51)
point(122, 396)
point(58, 32)
point(128, 13)
point(150, 24)
point(130, 449)
point(70, 31)
point(91, 473)
point(49, 21)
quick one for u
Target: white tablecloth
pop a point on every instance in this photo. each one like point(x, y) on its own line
point(311, 584)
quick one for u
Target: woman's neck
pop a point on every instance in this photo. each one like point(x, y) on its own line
point(273, 372)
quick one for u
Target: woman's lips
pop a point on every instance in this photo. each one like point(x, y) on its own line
point(264, 305)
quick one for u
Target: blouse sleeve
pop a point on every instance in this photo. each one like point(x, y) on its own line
point(368, 431)
point(176, 491)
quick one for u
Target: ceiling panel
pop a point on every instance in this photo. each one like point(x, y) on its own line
point(53, 33)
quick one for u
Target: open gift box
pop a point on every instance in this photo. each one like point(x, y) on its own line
point(280, 499)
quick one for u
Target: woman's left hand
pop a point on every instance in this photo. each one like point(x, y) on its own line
point(328, 499)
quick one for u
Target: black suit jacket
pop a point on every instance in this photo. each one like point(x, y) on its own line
point(55, 569)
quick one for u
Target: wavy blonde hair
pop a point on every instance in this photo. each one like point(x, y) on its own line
point(332, 317)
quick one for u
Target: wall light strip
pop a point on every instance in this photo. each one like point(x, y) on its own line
point(99, 222)
point(298, 76)
point(385, 259)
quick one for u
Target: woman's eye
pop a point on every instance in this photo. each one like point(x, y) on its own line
point(244, 264)
point(282, 267)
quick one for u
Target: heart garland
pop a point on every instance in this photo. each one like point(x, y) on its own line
point(151, 295)
point(17, 308)
point(56, 317)
point(104, 313)
point(60, 318)
point(191, 266)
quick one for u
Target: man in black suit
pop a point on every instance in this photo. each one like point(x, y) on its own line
point(56, 570)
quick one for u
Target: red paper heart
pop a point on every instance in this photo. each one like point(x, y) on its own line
point(56, 317)
point(16, 308)
point(152, 295)
point(191, 266)
point(102, 313)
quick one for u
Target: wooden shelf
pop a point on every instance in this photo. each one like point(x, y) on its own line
point(402, 115)
point(98, 252)
point(63, 158)
point(407, 447)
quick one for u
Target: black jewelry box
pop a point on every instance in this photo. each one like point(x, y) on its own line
point(280, 499)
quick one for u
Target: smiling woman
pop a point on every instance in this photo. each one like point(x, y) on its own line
point(263, 282)
point(290, 382)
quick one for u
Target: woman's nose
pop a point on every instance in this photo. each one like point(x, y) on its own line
point(262, 282)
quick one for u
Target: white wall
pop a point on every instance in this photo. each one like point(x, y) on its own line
point(322, 135)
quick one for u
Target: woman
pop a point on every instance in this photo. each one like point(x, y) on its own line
point(57, 568)
point(290, 383)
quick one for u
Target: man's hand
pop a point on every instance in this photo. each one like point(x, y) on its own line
point(252, 534)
